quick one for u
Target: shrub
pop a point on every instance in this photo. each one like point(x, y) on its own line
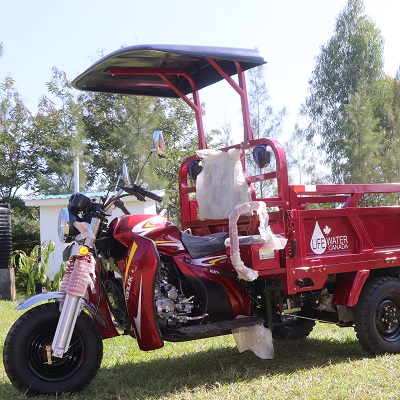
point(31, 270)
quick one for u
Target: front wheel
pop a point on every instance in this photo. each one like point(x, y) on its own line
point(25, 356)
point(377, 316)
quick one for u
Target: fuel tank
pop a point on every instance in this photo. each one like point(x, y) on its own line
point(165, 234)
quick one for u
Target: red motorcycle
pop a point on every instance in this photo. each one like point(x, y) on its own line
point(141, 275)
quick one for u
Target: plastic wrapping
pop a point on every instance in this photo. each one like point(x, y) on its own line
point(266, 236)
point(255, 338)
point(221, 185)
point(85, 231)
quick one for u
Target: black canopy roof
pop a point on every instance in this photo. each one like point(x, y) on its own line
point(143, 69)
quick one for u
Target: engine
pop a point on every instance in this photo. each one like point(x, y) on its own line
point(173, 307)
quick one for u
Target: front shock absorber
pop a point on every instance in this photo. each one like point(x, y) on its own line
point(80, 274)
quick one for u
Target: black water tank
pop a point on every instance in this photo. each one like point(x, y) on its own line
point(5, 235)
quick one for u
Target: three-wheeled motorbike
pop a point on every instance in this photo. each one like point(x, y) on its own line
point(252, 251)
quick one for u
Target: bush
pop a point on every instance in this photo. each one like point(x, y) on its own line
point(25, 233)
point(31, 270)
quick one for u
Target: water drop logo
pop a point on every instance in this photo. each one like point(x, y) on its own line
point(318, 241)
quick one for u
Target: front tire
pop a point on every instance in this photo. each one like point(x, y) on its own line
point(377, 316)
point(25, 357)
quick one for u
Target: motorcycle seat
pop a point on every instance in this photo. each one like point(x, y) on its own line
point(202, 246)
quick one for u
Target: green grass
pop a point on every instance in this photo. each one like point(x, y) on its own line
point(329, 364)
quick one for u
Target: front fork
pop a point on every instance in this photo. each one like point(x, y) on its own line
point(81, 273)
point(71, 308)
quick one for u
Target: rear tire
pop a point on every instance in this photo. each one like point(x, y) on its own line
point(377, 316)
point(25, 357)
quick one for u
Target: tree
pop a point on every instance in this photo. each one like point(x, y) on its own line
point(362, 145)
point(264, 123)
point(20, 166)
point(386, 103)
point(353, 55)
point(58, 130)
point(180, 134)
point(303, 164)
point(117, 128)
point(19, 151)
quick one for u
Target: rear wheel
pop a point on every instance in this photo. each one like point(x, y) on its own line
point(377, 316)
point(25, 357)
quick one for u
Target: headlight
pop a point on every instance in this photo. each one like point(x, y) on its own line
point(66, 228)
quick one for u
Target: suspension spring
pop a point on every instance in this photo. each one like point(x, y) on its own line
point(66, 278)
point(82, 275)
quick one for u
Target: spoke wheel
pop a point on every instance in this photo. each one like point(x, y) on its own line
point(26, 350)
point(377, 316)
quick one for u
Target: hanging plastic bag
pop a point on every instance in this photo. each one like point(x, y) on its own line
point(221, 185)
point(255, 338)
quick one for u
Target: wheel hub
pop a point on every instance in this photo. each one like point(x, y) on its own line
point(388, 320)
point(40, 361)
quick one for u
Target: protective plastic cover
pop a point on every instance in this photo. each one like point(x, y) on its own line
point(221, 185)
point(257, 339)
point(266, 236)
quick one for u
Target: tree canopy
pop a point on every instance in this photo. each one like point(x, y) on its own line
point(351, 61)
point(19, 150)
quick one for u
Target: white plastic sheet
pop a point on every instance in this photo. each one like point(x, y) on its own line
point(266, 236)
point(255, 338)
point(221, 185)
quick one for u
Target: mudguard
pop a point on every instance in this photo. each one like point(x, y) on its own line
point(139, 276)
point(349, 288)
point(60, 296)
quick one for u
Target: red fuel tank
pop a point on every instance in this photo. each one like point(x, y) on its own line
point(165, 234)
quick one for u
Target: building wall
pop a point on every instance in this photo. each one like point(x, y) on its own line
point(49, 210)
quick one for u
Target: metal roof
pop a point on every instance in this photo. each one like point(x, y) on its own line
point(144, 69)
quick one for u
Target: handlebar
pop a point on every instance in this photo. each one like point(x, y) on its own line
point(152, 196)
point(140, 193)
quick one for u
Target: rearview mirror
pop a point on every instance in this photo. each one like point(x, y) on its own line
point(158, 142)
point(193, 169)
point(262, 156)
point(125, 173)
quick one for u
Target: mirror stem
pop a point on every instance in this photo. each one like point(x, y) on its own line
point(141, 169)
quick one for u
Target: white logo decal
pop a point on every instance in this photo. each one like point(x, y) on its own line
point(318, 241)
point(128, 287)
point(137, 319)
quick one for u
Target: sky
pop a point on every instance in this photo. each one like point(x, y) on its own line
point(68, 34)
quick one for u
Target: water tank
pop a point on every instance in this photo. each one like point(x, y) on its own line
point(5, 235)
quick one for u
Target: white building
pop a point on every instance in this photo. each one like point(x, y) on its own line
point(50, 207)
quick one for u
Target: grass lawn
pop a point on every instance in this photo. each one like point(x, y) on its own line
point(329, 364)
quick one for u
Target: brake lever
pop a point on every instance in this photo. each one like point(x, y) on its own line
point(139, 196)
